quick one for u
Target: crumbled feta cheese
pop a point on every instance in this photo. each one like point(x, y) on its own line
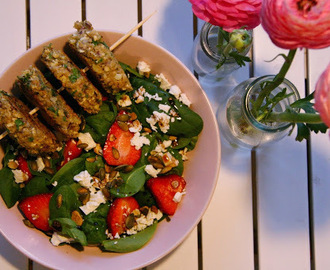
point(20, 176)
point(178, 196)
point(84, 179)
point(135, 126)
point(138, 141)
point(152, 171)
point(95, 200)
point(175, 91)
point(162, 119)
point(183, 154)
point(55, 183)
point(164, 107)
point(143, 67)
point(154, 97)
point(143, 221)
point(88, 139)
point(184, 99)
point(164, 83)
point(124, 101)
point(40, 164)
point(58, 239)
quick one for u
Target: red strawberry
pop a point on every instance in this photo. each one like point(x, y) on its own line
point(118, 212)
point(118, 149)
point(24, 167)
point(36, 210)
point(71, 151)
point(164, 188)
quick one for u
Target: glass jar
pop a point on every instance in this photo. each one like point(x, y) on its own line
point(237, 123)
point(207, 54)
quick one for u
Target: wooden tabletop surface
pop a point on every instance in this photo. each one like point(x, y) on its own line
point(271, 207)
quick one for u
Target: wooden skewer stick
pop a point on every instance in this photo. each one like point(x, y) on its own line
point(115, 45)
point(129, 33)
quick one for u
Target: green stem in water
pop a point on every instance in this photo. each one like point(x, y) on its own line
point(309, 118)
point(278, 79)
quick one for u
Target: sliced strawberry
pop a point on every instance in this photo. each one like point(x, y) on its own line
point(36, 210)
point(118, 149)
point(24, 167)
point(118, 212)
point(164, 189)
point(71, 151)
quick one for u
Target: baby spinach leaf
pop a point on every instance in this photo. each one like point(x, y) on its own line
point(70, 202)
point(9, 189)
point(133, 182)
point(69, 229)
point(37, 185)
point(93, 167)
point(99, 124)
point(65, 175)
point(95, 224)
point(132, 242)
point(145, 198)
point(9, 154)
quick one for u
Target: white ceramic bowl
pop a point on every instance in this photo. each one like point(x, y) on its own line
point(201, 171)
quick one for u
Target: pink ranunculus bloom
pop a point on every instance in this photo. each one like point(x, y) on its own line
point(293, 24)
point(322, 96)
point(229, 14)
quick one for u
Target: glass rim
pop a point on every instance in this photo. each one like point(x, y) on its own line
point(279, 126)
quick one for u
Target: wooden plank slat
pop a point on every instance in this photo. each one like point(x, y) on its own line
point(319, 59)
point(13, 31)
point(282, 178)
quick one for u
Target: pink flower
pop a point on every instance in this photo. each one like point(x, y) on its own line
point(295, 24)
point(229, 14)
point(322, 96)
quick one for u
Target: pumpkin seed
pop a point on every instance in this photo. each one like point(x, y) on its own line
point(130, 221)
point(84, 198)
point(107, 168)
point(82, 190)
point(55, 155)
point(115, 153)
point(98, 149)
point(175, 184)
point(166, 169)
point(12, 165)
point(106, 193)
point(123, 117)
point(82, 145)
point(123, 126)
point(144, 210)
point(46, 161)
point(133, 116)
point(112, 138)
point(112, 174)
point(28, 223)
point(77, 218)
point(59, 201)
point(33, 165)
point(91, 159)
point(49, 170)
point(101, 173)
point(154, 209)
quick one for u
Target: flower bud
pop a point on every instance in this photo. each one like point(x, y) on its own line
point(240, 39)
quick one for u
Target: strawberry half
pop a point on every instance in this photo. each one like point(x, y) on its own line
point(71, 151)
point(117, 149)
point(24, 167)
point(164, 189)
point(36, 210)
point(118, 212)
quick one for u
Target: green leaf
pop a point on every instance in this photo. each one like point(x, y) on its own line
point(145, 198)
point(9, 189)
point(302, 132)
point(69, 229)
point(133, 182)
point(93, 167)
point(95, 224)
point(70, 202)
point(132, 242)
point(37, 185)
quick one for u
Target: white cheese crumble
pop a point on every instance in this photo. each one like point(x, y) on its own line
point(164, 83)
point(40, 164)
point(124, 101)
point(135, 126)
point(20, 176)
point(138, 141)
point(95, 200)
point(184, 99)
point(143, 221)
point(143, 68)
point(178, 196)
point(162, 119)
point(175, 91)
point(164, 107)
point(152, 171)
point(58, 239)
point(84, 179)
point(154, 97)
point(88, 139)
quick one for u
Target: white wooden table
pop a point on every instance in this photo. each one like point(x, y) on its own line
point(271, 207)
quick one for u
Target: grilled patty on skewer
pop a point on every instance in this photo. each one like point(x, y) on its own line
point(25, 129)
point(53, 107)
point(74, 81)
point(90, 47)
